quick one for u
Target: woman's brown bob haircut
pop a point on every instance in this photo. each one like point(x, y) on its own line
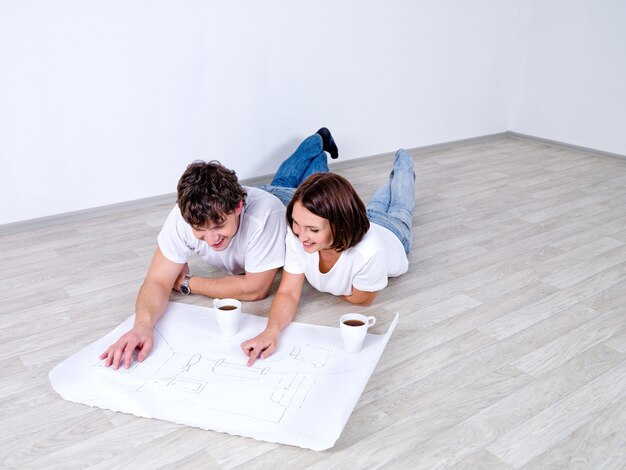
point(208, 192)
point(333, 198)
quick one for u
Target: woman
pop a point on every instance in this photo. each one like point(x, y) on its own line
point(336, 243)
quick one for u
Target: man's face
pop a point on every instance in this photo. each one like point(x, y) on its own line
point(218, 236)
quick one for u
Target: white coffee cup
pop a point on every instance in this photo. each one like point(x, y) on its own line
point(228, 314)
point(353, 327)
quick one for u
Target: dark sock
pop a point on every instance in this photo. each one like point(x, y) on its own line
point(328, 143)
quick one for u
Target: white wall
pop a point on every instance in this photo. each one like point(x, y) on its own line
point(108, 101)
point(571, 73)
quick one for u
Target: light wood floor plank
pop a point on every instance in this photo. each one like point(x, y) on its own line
point(511, 411)
point(598, 444)
point(555, 303)
point(465, 367)
point(561, 419)
point(509, 352)
point(595, 331)
point(481, 460)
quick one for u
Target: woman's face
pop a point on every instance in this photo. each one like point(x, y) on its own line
point(313, 231)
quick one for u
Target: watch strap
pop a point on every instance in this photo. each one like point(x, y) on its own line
point(184, 287)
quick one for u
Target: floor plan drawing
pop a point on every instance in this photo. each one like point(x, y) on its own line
point(195, 376)
point(211, 382)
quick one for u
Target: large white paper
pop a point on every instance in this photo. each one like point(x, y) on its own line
point(301, 395)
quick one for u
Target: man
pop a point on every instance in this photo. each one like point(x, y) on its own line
point(240, 230)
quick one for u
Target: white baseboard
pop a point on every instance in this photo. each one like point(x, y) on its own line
point(556, 143)
point(85, 214)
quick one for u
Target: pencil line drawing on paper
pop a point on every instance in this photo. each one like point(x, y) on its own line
point(292, 390)
point(181, 381)
point(217, 381)
point(315, 355)
point(223, 367)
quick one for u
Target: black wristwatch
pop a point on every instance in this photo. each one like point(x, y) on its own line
point(184, 287)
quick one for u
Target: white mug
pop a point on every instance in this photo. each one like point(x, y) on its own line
point(353, 327)
point(228, 314)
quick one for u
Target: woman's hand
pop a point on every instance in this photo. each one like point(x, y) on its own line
point(260, 346)
point(281, 314)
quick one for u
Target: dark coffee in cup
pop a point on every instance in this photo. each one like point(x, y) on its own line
point(227, 307)
point(354, 323)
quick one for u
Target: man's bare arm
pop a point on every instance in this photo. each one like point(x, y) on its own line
point(248, 286)
point(151, 303)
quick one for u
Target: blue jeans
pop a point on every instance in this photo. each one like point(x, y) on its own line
point(308, 158)
point(391, 206)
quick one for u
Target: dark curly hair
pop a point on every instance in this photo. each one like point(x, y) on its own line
point(333, 198)
point(208, 192)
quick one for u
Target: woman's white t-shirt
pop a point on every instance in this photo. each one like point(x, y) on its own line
point(365, 266)
point(258, 245)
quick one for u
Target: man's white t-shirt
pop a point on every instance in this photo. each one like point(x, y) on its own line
point(366, 266)
point(258, 245)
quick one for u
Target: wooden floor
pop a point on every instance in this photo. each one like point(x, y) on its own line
point(510, 351)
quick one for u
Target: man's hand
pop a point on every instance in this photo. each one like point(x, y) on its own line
point(140, 338)
point(260, 346)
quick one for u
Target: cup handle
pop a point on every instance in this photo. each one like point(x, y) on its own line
point(371, 321)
